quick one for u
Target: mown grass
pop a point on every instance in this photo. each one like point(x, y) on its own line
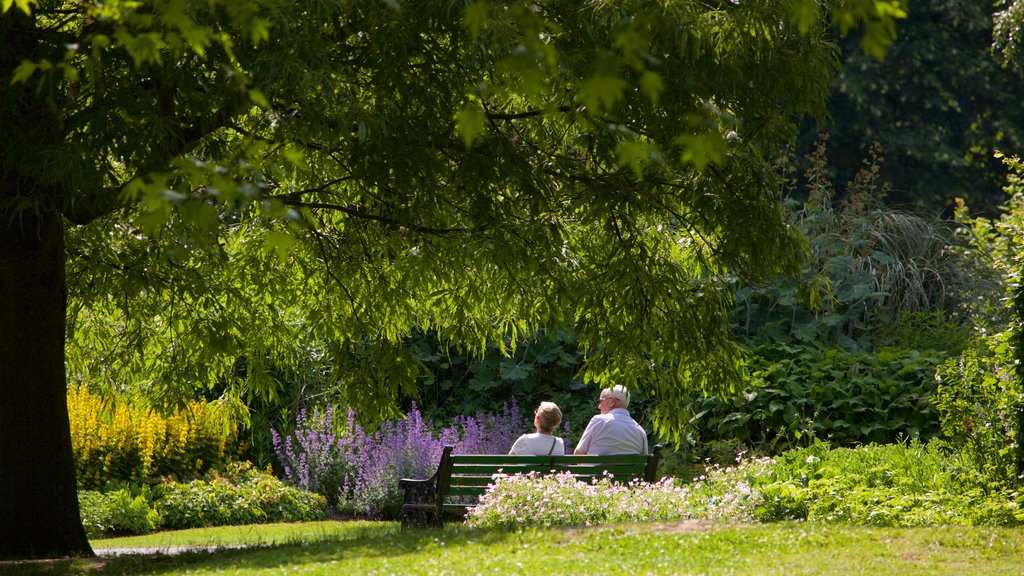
point(348, 548)
point(255, 535)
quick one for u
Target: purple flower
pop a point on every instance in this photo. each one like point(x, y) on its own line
point(359, 470)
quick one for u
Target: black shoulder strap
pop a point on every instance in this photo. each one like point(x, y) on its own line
point(553, 440)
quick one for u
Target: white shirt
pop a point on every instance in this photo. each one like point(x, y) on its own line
point(613, 433)
point(538, 444)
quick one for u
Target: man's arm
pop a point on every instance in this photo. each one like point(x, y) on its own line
point(584, 443)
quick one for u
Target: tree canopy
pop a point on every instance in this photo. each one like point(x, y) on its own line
point(231, 178)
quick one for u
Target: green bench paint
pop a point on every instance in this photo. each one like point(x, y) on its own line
point(461, 479)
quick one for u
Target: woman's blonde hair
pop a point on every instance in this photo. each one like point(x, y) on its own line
point(549, 416)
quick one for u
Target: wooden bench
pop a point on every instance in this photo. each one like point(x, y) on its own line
point(461, 479)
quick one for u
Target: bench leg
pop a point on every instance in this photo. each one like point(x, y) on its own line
point(421, 517)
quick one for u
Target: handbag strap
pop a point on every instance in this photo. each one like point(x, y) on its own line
point(553, 440)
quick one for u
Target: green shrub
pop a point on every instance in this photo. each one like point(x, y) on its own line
point(979, 400)
point(799, 392)
point(243, 495)
point(891, 485)
point(127, 510)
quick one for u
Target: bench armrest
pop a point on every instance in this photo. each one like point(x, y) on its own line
point(419, 491)
point(421, 501)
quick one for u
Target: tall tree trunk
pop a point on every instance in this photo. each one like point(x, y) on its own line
point(39, 515)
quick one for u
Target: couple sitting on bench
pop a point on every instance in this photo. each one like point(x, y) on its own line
point(613, 446)
point(613, 431)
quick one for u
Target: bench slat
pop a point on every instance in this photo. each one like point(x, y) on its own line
point(499, 469)
point(566, 459)
point(466, 490)
point(471, 481)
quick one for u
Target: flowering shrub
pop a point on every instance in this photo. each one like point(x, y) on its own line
point(878, 485)
point(359, 470)
point(117, 441)
point(561, 500)
point(313, 457)
point(728, 493)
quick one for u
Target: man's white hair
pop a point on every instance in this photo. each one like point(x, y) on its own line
point(619, 392)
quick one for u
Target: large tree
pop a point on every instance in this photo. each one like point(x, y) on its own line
point(194, 182)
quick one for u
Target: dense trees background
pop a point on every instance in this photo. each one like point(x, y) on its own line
point(939, 105)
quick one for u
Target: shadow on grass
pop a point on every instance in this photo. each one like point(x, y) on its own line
point(385, 542)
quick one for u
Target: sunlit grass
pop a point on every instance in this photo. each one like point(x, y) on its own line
point(253, 536)
point(348, 548)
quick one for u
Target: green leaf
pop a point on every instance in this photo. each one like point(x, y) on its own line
point(634, 155)
point(510, 369)
point(601, 92)
point(23, 5)
point(259, 31)
point(259, 99)
point(144, 48)
point(652, 85)
point(24, 71)
point(475, 18)
point(805, 15)
point(701, 150)
point(470, 122)
point(279, 243)
point(200, 214)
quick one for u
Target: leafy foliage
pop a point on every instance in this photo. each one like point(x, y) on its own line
point(560, 500)
point(572, 193)
point(910, 484)
point(243, 495)
point(893, 485)
point(544, 369)
point(115, 440)
point(939, 105)
point(802, 392)
point(979, 400)
point(872, 270)
point(244, 178)
point(848, 350)
point(980, 394)
point(1006, 32)
point(125, 510)
point(240, 495)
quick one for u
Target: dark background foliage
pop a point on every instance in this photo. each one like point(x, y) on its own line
point(939, 105)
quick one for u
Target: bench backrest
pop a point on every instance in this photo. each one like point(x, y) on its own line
point(470, 474)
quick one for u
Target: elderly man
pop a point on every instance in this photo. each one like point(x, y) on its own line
point(613, 431)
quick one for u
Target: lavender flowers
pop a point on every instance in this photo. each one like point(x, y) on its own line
point(358, 470)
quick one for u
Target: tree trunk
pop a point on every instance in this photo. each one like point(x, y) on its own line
point(39, 515)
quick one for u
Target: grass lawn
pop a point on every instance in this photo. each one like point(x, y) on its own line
point(350, 548)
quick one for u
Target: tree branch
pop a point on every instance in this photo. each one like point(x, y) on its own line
point(375, 218)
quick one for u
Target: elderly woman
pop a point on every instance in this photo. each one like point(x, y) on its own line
point(542, 442)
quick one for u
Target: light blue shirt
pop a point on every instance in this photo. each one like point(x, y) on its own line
point(613, 433)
